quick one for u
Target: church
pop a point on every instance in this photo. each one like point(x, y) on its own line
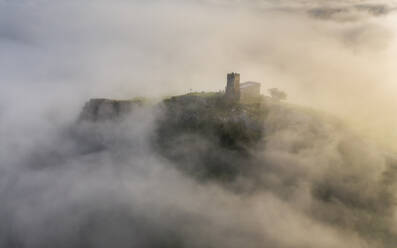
point(241, 91)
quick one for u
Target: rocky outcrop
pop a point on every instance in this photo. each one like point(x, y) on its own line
point(105, 109)
point(202, 133)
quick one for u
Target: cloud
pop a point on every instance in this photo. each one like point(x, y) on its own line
point(101, 49)
point(67, 192)
point(104, 184)
point(350, 13)
point(313, 181)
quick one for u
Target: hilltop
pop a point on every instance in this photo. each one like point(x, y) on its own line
point(261, 145)
point(194, 118)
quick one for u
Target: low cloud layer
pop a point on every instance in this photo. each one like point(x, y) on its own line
point(312, 184)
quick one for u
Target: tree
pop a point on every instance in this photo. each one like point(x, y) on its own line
point(277, 94)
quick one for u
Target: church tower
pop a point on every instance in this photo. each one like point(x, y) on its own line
point(233, 86)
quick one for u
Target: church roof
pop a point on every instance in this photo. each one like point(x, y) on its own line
point(249, 84)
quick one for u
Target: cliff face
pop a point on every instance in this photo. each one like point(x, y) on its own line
point(106, 109)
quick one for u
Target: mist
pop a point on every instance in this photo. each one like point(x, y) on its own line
point(327, 55)
point(317, 181)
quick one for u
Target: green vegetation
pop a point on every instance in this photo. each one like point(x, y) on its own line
point(219, 133)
